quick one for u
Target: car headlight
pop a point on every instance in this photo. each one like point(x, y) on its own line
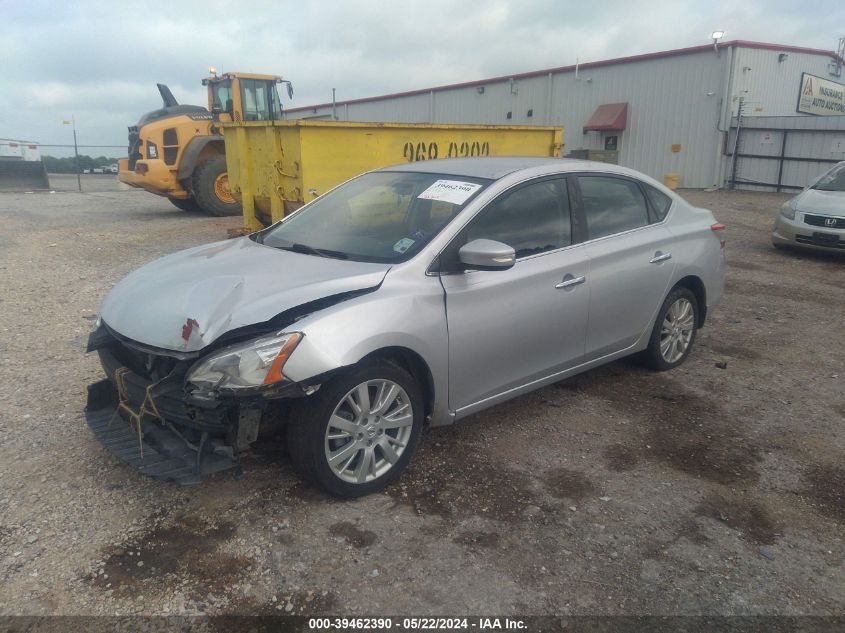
point(152, 150)
point(788, 211)
point(246, 366)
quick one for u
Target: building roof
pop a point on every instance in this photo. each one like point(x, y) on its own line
point(584, 66)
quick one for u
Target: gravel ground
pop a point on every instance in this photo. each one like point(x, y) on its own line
point(716, 488)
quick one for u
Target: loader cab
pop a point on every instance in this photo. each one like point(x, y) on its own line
point(245, 97)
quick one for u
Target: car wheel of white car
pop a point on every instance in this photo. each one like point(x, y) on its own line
point(674, 330)
point(357, 433)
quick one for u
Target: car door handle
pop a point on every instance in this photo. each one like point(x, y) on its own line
point(660, 257)
point(570, 281)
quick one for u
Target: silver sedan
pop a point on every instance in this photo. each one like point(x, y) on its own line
point(419, 293)
point(815, 218)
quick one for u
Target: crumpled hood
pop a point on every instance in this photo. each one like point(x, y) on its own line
point(818, 201)
point(185, 301)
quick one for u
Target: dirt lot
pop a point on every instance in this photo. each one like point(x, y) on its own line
point(716, 488)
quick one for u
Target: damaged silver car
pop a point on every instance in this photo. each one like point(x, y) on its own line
point(419, 293)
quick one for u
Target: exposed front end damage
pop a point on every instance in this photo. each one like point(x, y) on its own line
point(149, 416)
point(175, 336)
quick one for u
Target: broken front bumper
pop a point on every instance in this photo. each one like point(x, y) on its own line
point(143, 414)
point(152, 447)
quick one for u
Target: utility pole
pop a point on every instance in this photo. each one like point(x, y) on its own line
point(75, 152)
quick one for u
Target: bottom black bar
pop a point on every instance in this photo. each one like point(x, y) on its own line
point(524, 624)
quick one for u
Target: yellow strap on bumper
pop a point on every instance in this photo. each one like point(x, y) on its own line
point(148, 406)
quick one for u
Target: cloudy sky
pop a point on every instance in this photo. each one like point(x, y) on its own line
point(100, 61)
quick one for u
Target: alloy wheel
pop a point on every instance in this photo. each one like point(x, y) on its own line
point(368, 431)
point(677, 330)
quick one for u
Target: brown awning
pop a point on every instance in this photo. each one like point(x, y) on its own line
point(609, 116)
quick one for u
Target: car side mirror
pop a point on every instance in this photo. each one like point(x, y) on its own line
point(487, 255)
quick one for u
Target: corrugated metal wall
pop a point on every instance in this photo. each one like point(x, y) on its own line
point(807, 137)
point(769, 81)
point(769, 86)
point(672, 100)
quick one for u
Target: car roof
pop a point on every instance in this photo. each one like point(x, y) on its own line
point(496, 167)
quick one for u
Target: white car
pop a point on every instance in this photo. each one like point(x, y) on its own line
point(815, 218)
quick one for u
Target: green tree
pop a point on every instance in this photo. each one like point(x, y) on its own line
point(68, 165)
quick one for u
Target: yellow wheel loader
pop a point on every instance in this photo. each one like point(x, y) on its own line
point(177, 151)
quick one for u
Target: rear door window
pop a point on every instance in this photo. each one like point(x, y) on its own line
point(612, 205)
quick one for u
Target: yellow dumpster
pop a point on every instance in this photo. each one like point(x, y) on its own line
point(671, 179)
point(277, 166)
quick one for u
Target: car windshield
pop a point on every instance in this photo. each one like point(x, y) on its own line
point(834, 180)
point(377, 217)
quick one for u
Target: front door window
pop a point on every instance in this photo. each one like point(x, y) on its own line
point(511, 327)
point(260, 100)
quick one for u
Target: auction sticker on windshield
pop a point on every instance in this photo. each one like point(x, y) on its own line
point(403, 245)
point(453, 191)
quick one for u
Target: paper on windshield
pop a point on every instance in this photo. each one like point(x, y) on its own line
point(452, 191)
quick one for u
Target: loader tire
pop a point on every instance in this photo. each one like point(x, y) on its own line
point(186, 204)
point(211, 188)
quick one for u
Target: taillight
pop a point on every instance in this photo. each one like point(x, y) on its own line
point(719, 227)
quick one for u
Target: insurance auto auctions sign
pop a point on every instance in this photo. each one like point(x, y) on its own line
point(820, 96)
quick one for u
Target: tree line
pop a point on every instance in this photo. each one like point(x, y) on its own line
point(68, 165)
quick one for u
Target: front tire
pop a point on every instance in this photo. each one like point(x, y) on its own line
point(674, 330)
point(358, 432)
point(211, 188)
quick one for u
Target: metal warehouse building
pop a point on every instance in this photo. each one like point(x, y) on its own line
point(672, 112)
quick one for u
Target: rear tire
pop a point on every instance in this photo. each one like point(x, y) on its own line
point(211, 188)
point(350, 453)
point(188, 204)
point(674, 330)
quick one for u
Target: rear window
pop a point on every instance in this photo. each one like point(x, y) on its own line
point(660, 202)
